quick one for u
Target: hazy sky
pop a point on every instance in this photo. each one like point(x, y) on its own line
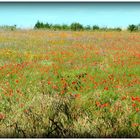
point(102, 14)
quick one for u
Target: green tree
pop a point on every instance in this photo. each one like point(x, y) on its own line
point(56, 27)
point(65, 27)
point(76, 26)
point(37, 25)
point(47, 26)
point(118, 29)
point(95, 27)
point(132, 28)
point(87, 27)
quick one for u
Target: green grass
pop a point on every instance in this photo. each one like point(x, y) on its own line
point(69, 84)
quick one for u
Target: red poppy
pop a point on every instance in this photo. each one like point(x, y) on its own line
point(133, 98)
point(49, 82)
point(54, 87)
point(104, 105)
point(62, 92)
point(133, 105)
point(124, 97)
point(106, 88)
point(16, 81)
point(2, 116)
point(77, 95)
point(73, 82)
point(98, 103)
point(137, 109)
point(135, 124)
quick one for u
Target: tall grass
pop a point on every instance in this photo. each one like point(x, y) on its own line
point(69, 84)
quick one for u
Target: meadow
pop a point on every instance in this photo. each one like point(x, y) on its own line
point(69, 84)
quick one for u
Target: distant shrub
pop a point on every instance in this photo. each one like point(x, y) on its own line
point(56, 27)
point(40, 25)
point(65, 27)
point(47, 25)
point(132, 28)
point(113, 29)
point(87, 27)
point(76, 26)
point(118, 29)
point(7, 27)
point(95, 27)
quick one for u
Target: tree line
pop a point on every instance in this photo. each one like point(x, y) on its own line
point(79, 27)
point(73, 27)
point(8, 27)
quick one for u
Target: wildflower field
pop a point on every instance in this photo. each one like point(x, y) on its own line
point(69, 84)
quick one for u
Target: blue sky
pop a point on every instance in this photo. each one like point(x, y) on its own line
point(25, 15)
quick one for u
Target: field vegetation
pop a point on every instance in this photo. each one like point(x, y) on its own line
point(69, 83)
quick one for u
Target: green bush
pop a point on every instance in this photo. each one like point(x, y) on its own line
point(95, 27)
point(76, 26)
point(132, 28)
